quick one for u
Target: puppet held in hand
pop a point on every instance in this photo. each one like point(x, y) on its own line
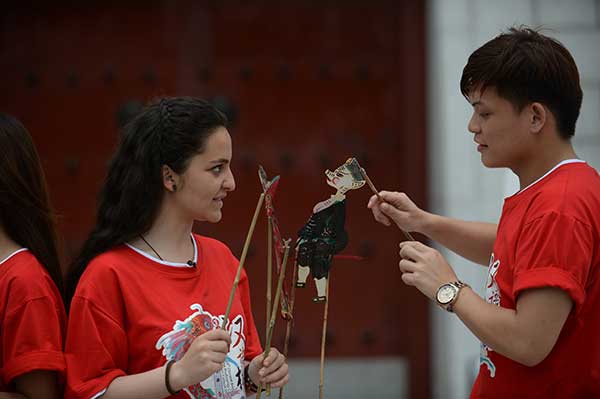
point(323, 235)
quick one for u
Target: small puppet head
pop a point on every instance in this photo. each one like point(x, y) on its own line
point(346, 177)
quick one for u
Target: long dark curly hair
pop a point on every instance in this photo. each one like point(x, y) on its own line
point(168, 132)
point(25, 212)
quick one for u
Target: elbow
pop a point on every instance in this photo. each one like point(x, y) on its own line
point(531, 361)
point(531, 349)
point(533, 356)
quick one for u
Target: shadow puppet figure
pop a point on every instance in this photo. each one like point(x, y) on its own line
point(324, 235)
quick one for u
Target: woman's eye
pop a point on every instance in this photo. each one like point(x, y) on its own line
point(484, 114)
point(217, 169)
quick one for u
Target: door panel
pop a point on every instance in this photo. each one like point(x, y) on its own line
point(311, 83)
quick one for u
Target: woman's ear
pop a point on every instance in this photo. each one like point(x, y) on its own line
point(169, 179)
point(538, 115)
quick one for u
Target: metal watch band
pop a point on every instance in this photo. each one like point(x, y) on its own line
point(460, 285)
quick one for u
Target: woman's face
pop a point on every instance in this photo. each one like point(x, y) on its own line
point(207, 179)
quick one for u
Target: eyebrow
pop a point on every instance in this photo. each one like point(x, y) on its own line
point(478, 102)
point(220, 160)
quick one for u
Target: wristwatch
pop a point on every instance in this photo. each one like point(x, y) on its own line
point(448, 293)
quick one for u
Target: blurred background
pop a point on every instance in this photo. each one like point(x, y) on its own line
point(306, 84)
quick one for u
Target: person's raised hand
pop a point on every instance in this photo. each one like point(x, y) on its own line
point(205, 356)
point(394, 207)
point(424, 268)
point(270, 370)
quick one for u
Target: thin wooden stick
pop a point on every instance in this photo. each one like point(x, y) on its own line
point(370, 183)
point(323, 337)
point(290, 321)
point(286, 246)
point(242, 259)
point(269, 282)
point(376, 192)
point(269, 270)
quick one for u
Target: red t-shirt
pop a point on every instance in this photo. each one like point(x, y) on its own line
point(549, 236)
point(33, 319)
point(131, 313)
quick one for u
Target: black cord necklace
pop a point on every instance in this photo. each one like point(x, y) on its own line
point(189, 262)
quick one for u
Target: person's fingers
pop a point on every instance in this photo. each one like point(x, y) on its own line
point(391, 197)
point(273, 361)
point(380, 217)
point(277, 375)
point(415, 247)
point(281, 382)
point(409, 279)
point(273, 357)
point(407, 266)
point(218, 346)
point(375, 205)
point(372, 201)
point(410, 250)
point(215, 340)
point(214, 366)
point(422, 248)
point(391, 212)
point(217, 334)
point(206, 345)
point(216, 357)
point(387, 195)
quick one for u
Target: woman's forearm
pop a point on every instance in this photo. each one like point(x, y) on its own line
point(147, 385)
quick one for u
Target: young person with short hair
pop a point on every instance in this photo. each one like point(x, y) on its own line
point(540, 321)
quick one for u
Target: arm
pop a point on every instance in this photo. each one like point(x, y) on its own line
point(150, 384)
point(205, 356)
point(38, 384)
point(270, 370)
point(471, 240)
point(525, 335)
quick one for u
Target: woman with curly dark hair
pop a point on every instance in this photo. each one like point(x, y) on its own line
point(148, 294)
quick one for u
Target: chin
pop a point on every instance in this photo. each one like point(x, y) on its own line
point(215, 218)
point(489, 163)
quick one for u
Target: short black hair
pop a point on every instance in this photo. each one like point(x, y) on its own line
point(524, 66)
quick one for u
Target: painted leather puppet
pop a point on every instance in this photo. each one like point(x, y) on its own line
point(324, 235)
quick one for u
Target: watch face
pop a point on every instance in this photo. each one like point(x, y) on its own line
point(446, 294)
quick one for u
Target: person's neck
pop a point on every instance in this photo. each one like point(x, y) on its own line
point(7, 245)
point(542, 162)
point(169, 236)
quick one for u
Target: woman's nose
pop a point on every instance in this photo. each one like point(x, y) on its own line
point(229, 183)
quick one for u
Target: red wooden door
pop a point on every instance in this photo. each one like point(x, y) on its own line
point(311, 83)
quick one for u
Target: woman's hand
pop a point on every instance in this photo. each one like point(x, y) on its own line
point(272, 370)
point(205, 356)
